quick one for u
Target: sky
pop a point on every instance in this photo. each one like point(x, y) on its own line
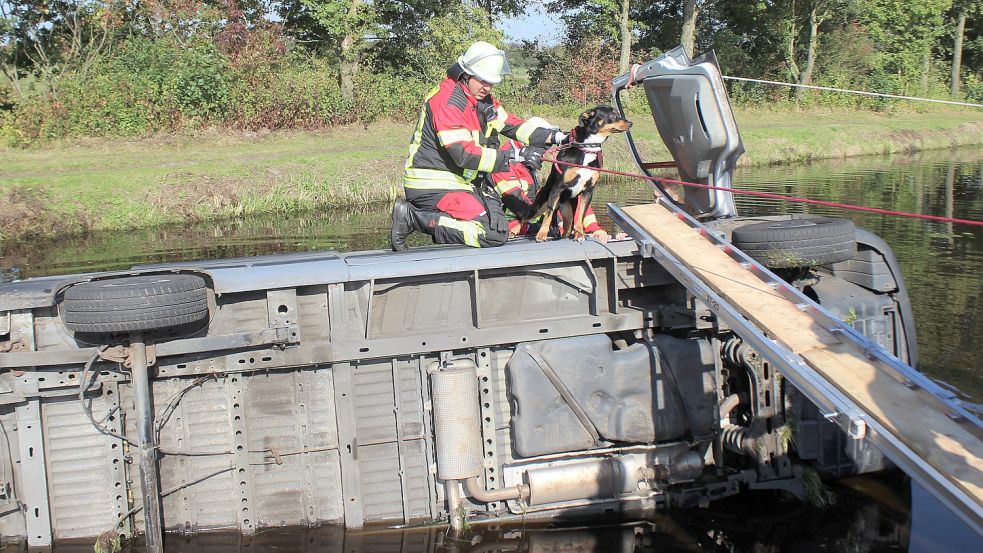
point(534, 25)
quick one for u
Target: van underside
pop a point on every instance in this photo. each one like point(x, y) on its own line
point(540, 380)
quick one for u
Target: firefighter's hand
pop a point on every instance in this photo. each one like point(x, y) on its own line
point(602, 236)
point(529, 156)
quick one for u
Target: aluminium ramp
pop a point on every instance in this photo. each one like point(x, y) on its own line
point(868, 393)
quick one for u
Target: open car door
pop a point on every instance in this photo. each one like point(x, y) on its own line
point(693, 115)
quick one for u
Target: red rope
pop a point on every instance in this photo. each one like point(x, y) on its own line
point(775, 196)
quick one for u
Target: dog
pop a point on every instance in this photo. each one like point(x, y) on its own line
point(568, 190)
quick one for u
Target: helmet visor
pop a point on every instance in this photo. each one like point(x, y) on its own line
point(489, 66)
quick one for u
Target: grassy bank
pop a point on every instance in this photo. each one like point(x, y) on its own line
point(104, 185)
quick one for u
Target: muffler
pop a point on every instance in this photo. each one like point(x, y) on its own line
point(456, 419)
point(457, 432)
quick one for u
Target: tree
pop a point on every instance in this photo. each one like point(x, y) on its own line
point(819, 11)
point(905, 33)
point(335, 27)
point(963, 9)
point(624, 26)
point(607, 20)
point(957, 53)
point(586, 20)
point(691, 11)
point(51, 38)
point(500, 8)
point(443, 39)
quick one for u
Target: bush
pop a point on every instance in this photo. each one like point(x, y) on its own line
point(973, 87)
point(303, 95)
point(380, 95)
point(201, 82)
point(9, 137)
point(6, 98)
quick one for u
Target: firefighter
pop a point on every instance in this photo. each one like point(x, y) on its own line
point(460, 175)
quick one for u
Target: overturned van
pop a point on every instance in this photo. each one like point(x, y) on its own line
point(442, 384)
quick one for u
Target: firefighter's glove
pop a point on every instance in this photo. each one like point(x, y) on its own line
point(529, 156)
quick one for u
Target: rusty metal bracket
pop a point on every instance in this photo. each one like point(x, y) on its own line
point(13, 345)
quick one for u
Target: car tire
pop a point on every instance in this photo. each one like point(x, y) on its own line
point(798, 242)
point(140, 303)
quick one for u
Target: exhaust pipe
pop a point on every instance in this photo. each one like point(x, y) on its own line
point(457, 432)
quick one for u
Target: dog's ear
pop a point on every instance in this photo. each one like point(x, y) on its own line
point(586, 116)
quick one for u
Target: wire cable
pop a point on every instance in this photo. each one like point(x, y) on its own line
point(87, 407)
point(859, 92)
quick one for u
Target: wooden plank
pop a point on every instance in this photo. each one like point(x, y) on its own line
point(908, 414)
point(756, 299)
point(936, 438)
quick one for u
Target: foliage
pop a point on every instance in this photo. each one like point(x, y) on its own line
point(123, 68)
point(973, 87)
point(444, 38)
point(587, 20)
point(904, 33)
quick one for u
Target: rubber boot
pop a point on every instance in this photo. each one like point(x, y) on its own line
point(403, 225)
point(407, 219)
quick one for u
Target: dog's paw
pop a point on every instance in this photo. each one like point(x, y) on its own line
point(542, 236)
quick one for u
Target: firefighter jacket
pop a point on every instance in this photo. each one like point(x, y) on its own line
point(456, 139)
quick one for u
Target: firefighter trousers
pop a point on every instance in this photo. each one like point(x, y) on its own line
point(474, 218)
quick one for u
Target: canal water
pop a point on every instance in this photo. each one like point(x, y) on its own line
point(942, 264)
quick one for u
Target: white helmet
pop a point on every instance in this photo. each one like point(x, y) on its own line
point(485, 61)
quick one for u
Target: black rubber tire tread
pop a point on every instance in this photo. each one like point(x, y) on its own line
point(799, 242)
point(140, 303)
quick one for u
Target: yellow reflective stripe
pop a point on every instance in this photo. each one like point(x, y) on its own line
point(432, 179)
point(454, 135)
point(590, 220)
point(506, 186)
point(433, 185)
point(487, 161)
point(525, 130)
point(498, 123)
point(470, 230)
point(418, 134)
point(433, 174)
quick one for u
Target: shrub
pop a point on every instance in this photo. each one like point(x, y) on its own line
point(201, 82)
point(973, 87)
point(9, 136)
point(380, 95)
point(304, 94)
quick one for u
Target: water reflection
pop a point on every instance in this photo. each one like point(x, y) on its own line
point(869, 515)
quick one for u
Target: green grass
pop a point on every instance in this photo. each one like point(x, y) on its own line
point(84, 185)
point(101, 184)
point(791, 136)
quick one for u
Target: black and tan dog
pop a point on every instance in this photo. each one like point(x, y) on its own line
point(568, 190)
